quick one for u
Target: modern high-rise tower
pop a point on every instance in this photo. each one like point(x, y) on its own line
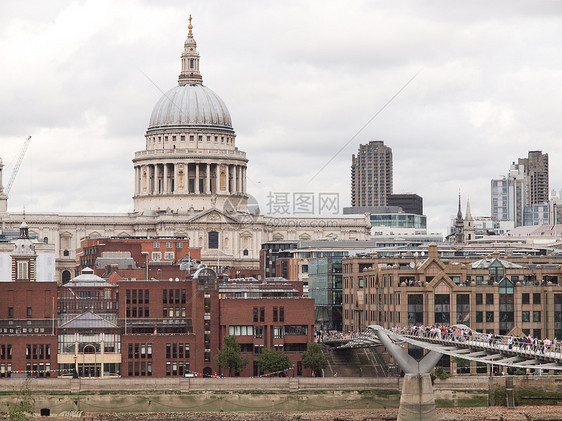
point(536, 177)
point(371, 175)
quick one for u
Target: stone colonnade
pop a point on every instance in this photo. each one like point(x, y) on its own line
point(193, 177)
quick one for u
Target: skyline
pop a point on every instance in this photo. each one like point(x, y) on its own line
point(486, 92)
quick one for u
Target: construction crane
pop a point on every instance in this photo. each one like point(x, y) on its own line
point(17, 166)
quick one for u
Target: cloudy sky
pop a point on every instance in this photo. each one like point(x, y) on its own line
point(300, 79)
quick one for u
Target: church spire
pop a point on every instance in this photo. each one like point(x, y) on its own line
point(459, 212)
point(468, 212)
point(190, 60)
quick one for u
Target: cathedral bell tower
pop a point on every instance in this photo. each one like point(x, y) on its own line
point(24, 257)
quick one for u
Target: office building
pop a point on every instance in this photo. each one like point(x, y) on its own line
point(536, 175)
point(371, 175)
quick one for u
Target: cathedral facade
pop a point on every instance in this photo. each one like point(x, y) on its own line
point(189, 181)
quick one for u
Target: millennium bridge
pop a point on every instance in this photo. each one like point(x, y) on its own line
point(417, 401)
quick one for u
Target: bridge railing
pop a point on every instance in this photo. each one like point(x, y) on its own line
point(458, 337)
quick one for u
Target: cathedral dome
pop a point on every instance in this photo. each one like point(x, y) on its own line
point(190, 105)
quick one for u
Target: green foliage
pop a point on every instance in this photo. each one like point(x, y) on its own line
point(519, 372)
point(314, 358)
point(229, 357)
point(25, 407)
point(273, 361)
point(461, 362)
point(440, 373)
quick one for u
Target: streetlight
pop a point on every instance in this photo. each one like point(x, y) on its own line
point(146, 264)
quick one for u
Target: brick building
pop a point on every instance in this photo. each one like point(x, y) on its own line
point(131, 256)
point(285, 322)
point(140, 327)
point(488, 294)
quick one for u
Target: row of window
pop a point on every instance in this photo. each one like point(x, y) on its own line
point(6, 352)
point(157, 256)
point(278, 331)
point(140, 368)
point(132, 296)
point(28, 312)
point(169, 245)
point(278, 314)
point(140, 350)
point(38, 351)
point(173, 312)
point(134, 312)
point(177, 350)
point(229, 140)
point(174, 296)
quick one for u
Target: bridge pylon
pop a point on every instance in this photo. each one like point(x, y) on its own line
point(417, 401)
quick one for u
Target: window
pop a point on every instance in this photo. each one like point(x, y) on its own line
point(489, 298)
point(169, 245)
point(536, 316)
point(169, 255)
point(525, 316)
point(278, 332)
point(213, 240)
point(275, 314)
point(29, 311)
point(156, 244)
point(240, 330)
point(10, 312)
point(525, 298)
point(281, 314)
point(179, 245)
point(536, 298)
point(258, 332)
point(22, 270)
point(479, 317)
point(255, 314)
point(489, 316)
point(478, 299)
point(262, 314)
point(156, 256)
point(296, 330)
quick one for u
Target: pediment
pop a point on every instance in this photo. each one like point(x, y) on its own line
point(214, 215)
point(442, 284)
point(88, 320)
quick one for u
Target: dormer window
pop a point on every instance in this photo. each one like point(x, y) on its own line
point(22, 270)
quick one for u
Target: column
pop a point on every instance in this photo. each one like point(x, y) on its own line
point(197, 191)
point(156, 177)
point(165, 181)
point(174, 186)
point(217, 176)
point(208, 178)
point(136, 180)
point(238, 179)
point(243, 180)
point(227, 178)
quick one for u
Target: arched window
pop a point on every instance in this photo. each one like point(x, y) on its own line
point(65, 276)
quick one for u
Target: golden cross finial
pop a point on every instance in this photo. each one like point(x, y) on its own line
point(190, 27)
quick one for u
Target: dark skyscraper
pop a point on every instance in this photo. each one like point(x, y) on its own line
point(371, 175)
point(536, 177)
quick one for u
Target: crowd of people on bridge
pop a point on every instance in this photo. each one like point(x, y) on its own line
point(465, 334)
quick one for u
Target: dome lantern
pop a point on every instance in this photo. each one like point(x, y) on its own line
point(190, 60)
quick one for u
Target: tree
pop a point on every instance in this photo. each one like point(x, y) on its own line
point(314, 358)
point(25, 407)
point(274, 361)
point(229, 356)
